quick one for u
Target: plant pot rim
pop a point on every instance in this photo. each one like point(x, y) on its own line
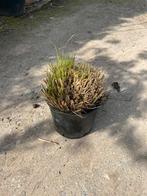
point(71, 113)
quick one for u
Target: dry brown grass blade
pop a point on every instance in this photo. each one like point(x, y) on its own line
point(81, 88)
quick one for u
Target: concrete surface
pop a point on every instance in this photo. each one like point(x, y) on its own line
point(112, 160)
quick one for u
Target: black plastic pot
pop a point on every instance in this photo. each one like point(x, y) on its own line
point(12, 7)
point(72, 126)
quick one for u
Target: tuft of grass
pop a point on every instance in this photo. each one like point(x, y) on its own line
point(72, 87)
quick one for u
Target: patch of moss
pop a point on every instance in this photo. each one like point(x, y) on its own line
point(36, 18)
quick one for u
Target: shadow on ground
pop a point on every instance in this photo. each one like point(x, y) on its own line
point(25, 51)
point(117, 114)
point(23, 54)
point(42, 129)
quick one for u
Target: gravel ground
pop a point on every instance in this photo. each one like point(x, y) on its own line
point(34, 158)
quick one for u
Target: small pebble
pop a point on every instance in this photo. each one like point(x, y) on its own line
point(36, 105)
point(9, 119)
point(26, 74)
point(116, 86)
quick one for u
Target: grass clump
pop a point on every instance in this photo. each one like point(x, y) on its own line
point(72, 87)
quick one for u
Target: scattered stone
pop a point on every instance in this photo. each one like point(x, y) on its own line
point(9, 119)
point(116, 86)
point(36, 105)
point(60, 172)
point(18, 123)
point(37, 96)
point(26, 74)
point(106, 176)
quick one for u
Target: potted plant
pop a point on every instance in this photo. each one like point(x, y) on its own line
point(73, 92)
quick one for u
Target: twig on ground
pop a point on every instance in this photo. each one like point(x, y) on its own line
point(48, 141)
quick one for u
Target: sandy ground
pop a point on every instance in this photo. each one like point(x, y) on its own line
point(112, 160)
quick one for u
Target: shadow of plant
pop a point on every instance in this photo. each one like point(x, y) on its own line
point(117, 114)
